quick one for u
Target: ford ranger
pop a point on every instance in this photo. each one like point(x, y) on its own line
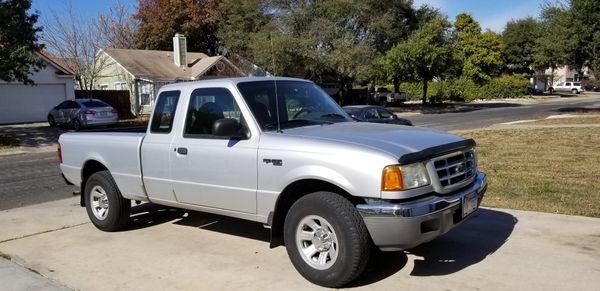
point(281, 152)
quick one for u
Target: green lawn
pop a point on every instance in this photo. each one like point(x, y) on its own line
point(554, 170)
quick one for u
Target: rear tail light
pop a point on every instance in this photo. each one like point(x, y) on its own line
point(114, 111)
point(89, 112)
point(60, 159)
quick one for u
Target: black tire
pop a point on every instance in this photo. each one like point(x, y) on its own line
point(76, 124)
point(574, 91)
point(353, 240)
point(551, 90)
point(118, 208)
point(51, 121)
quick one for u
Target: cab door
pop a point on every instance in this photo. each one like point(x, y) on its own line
point(214, 171)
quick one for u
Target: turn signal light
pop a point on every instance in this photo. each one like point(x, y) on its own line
point(391, 179)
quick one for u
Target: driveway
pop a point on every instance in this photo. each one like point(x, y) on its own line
point(168, 249)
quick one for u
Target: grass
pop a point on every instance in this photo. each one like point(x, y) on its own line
point(579, 119)
point(554, 170)
point(8, 142)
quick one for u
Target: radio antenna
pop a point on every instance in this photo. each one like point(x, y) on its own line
point(275, 82)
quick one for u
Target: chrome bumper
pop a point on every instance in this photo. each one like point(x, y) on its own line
point(406, 225)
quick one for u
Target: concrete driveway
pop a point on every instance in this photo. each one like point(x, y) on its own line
point(171, 249)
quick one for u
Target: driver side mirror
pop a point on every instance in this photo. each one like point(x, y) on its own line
point(229, 127)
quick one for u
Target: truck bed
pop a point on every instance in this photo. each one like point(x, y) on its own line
point(117, 150)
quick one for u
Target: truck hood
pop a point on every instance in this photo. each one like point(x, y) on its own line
point(396, 140)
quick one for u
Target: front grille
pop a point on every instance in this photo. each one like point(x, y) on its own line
point(456, 168)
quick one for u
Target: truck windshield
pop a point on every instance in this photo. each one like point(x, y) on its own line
point(297, 103)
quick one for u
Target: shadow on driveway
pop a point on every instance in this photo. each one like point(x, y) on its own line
point(468, 244)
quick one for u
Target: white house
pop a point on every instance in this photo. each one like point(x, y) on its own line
point(26, 103)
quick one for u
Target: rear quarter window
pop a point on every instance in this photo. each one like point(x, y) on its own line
point(95, 104)
point(164, 112)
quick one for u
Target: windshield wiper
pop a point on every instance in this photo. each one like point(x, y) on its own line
point(295, 123)
point(333, 115)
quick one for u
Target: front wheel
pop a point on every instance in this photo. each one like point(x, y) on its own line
point(551, 90)
point(574, 91)
point(105, 206)
point(326, 239)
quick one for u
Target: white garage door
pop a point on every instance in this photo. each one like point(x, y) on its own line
point(19, 103)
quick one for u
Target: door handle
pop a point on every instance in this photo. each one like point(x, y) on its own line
point(182, 151)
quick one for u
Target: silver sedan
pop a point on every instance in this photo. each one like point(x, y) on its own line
point(81, 113)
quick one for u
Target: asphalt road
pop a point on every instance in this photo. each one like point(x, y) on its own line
point(484, 115)
point(30, 179)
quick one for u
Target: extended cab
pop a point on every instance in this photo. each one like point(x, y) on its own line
point(281, 152)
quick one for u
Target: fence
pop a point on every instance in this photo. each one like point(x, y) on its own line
point(119, 99)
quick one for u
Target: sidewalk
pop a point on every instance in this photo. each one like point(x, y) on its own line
point(171, 249)
point(16, 278)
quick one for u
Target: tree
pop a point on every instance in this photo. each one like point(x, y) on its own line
point(75, 40)
point(520, 37)
point(117, 28)
point(551, 47)
point(481, 52)
point(428, 53)
point(18, 41)
point(239, 22)
point(161, 19)
point(584, 47)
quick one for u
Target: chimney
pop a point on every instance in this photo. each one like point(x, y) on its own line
point(179, 50)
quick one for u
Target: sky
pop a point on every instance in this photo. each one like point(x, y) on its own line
point(491, 14)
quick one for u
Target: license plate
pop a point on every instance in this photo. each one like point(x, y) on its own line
point(103, 113)
point(469, 203)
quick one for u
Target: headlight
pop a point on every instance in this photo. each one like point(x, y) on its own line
point(398, 178)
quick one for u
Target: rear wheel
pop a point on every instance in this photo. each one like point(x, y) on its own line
point(574, 91)
point(76, 124)
point(105, 206)
point(326, 239)
point(51, 121)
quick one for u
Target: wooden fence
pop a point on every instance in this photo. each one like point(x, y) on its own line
point(119, 99)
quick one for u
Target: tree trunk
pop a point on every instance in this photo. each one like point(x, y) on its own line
point(425, 81)
point(396, 82)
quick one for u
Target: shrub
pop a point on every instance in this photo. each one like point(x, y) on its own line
point(510, 86)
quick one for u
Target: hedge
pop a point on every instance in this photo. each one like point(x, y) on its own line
point(510, 86)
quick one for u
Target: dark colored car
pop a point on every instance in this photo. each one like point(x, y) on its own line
point(591, 88)
point(374, 113)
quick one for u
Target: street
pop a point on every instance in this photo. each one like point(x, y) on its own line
point(31, 178)
point(486, 114)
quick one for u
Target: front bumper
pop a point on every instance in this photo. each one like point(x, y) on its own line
point(402, 226)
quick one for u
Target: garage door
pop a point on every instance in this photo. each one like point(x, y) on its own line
point(19, 103)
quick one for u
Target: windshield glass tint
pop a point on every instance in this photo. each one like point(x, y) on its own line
point(95, 104)
point(299, 104)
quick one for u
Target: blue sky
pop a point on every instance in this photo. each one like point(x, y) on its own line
point(490, 14)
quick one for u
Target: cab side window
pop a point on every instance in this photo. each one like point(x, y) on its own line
point(206, 106)
point(164, 112)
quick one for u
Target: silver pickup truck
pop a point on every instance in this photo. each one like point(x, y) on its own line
point(281, 152)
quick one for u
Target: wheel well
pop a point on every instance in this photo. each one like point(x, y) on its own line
point(90, 167)
point(291, 194)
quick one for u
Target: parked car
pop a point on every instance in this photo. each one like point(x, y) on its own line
point(80, 113)
point(374, 113)
point(534, 91)
point(573, 87)
point(281, 152)
point(591, 88)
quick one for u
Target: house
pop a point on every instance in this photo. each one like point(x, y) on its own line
point(21, 103)
point(544, 80)
point(143, 72)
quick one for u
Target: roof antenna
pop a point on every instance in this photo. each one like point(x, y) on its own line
point(275, 82)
